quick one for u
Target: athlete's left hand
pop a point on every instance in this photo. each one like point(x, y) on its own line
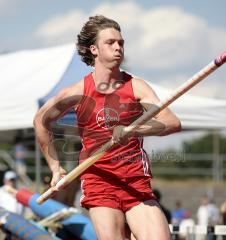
point(119, 135)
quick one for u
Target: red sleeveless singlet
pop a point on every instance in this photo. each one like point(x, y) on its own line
point(97, 115)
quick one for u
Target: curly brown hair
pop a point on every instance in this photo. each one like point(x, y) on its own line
point(89, 33)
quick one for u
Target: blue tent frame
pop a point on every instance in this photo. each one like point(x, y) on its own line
point(75, 71)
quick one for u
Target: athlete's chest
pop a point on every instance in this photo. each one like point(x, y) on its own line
point(110, 110)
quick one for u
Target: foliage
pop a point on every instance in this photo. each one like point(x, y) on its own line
point(196, 159)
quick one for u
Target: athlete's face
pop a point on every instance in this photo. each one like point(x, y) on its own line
point(110, 47)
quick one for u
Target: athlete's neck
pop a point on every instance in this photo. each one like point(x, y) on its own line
point(104, 75)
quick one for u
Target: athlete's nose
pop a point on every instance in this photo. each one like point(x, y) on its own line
point(117, 46)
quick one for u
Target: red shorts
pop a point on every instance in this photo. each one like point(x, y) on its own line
point(120, 194)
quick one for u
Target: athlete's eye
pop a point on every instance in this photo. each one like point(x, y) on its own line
point(110, 42)
point(121, 43)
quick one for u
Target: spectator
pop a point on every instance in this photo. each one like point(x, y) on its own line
point(7, 199)
point(20, 155)
point(223, 212)
point(208, 214)
point(214, 214)
point(186, 224)
point(203, 212)
point(164, 209)
point(178, 213)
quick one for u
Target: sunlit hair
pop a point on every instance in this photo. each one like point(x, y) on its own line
point(89, 33)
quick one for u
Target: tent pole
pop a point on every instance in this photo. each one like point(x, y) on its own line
point(216, 156)
point(37, 166)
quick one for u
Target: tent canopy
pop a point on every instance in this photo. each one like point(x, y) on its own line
point(27, 76)
point(31, 77)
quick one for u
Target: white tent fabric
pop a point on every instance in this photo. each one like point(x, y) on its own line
point(196, 112)
point(26, 76)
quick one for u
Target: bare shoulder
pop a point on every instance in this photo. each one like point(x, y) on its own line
point(146, 95)
point(143, 91)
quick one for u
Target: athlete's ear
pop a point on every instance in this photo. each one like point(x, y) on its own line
point(93, 49)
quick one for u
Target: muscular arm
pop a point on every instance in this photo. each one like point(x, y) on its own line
point(46, 116)
point(162, 124)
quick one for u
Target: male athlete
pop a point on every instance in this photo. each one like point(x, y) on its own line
point(117, 187)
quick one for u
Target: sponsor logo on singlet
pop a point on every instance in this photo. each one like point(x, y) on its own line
point(107, 118)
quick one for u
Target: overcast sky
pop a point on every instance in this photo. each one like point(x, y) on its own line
point(166, 41)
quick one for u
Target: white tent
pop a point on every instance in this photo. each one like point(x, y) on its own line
point(26, 76)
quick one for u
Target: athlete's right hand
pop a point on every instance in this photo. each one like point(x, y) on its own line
point(56, 176)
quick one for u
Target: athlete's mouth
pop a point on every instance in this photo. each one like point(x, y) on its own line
point(118, 56)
